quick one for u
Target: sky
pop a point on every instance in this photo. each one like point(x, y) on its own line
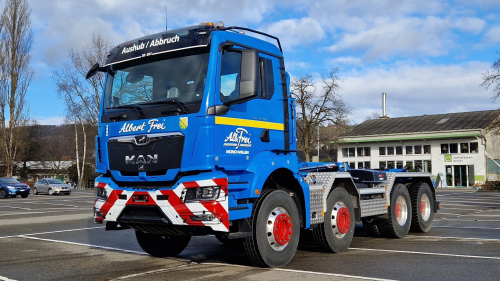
point(428, 56)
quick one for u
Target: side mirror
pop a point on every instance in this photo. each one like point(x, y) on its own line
point(249, 77)
point(94, 69)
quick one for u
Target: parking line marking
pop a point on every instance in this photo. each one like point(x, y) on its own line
point(466, 227)
point(6, 279)
point(301, 271)
point(152, 271)
point(83, 244)
point(427, 253)
point(28, 213)
point(50, 232)
point(459, 238)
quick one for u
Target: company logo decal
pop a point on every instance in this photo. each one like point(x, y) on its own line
point(141, 140)
point(152, 125)
point(183, 123)
point(239, 138)
point(141, 159)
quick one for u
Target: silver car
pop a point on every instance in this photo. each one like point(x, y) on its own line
point(51, 186)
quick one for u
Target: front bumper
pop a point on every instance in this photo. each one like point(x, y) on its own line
point(171, 204)
point(18, 191)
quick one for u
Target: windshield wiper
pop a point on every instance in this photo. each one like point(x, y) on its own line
point(172, 101)
point(136, 109)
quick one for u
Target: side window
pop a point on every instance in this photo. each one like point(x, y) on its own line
point(268, 78)
point(230, 76)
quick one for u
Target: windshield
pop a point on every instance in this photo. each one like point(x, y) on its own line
point(7, 180)
point(55, 181)
point(143, 82)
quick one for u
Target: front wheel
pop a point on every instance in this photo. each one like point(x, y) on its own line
point(399, 221)
point(51, 192)
point(24, 196)
point(336, 232)
point(162, 246)
point(35, 191)
point(275, 230)
point(423, 213)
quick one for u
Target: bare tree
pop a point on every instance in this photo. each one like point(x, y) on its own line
point(16, 74)
point(317, 108)
point(491, 80)
point(82, 96)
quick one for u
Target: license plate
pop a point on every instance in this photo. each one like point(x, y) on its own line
point(22, 189)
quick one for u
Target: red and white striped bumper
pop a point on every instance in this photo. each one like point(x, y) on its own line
point(211, 213)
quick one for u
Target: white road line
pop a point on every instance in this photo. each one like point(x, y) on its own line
point(152, 271)
point(463, 209)
point(83, 244)
point(50, 232)
point(466, 227)
point(44, 212)
point(444, 205)
point(12, 207)
point(301, 271)
point(6, 279)
point(458, 238)
point(426, 253)
point(449, 214)
point(464, 220)
point(484, 203)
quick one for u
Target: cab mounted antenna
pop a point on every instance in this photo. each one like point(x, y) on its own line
point(166, 26)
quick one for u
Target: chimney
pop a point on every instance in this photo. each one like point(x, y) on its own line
point(384, 113)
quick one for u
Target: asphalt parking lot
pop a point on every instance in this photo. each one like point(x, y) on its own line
point(54, 238)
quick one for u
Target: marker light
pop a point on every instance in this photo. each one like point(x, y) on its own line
point(219, 25)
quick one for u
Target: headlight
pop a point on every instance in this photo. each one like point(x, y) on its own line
point(11, 187)
point(202, 193)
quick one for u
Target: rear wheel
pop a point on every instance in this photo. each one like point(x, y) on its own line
point(336, 232)
point(3, 195)
point(399, 221)
point(423, 213)
point(162, 246)
point(275, 230)
point(371, 227)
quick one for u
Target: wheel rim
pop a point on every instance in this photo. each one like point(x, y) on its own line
point(425, 207)
point(2, 193)
point(341, 220)
point(51, 191)
point(401, 211)
point(279, 228)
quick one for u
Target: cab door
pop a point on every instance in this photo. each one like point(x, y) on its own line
point(250, 125)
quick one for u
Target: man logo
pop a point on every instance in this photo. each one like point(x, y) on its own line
point(141, 159)
point(141, 140)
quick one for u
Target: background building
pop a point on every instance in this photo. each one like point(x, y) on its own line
point(460, 146)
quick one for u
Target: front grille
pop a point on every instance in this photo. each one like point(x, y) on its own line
point(155, 158)
point(143, 214)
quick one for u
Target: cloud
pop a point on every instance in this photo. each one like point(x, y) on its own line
point(294, 32)
point(49, 120)
point(409, 36)
point(470, 24)
point(492, 35)
point(349, 60)
point(416, 89)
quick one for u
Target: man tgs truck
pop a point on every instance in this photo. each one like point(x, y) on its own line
point(197, 136)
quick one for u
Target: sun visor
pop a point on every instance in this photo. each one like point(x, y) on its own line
point(159, 43)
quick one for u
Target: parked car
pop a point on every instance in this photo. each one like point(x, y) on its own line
point(10, 187)
point(51, 186)
point(23, 181)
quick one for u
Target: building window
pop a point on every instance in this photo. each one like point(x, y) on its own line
point(367, 151)
point(418, 149)
point(352, 152)
point(381, 150)
point(382, 165)
point(473, 147)
point(390, 150)
point(399, 164)
point(360, 151)
point(427, 166)
point(367, 164)
point(409, 165)
point(409, 149)
point(399, 150)
point(352, 165)
point(348, 152)
point(391, 165)
point(427, 149)
point(444, 148)
point(418, 166)
point(360, 165)
point(464, 147)
point(453, 147)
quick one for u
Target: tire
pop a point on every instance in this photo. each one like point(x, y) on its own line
point(275, 230)
point(399, 221)
point(24, 196)
point(3, 194)
point(421, 203)
point(161, 246)
point(371, 227)
point(35, 191)
point(50, 191)
point(336, 232)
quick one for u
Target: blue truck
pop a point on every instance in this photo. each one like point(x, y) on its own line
point(197, 136)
